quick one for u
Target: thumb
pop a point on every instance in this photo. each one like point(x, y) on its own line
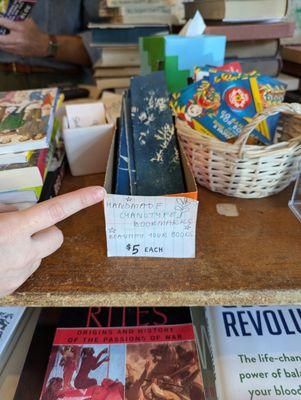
point(7, 23)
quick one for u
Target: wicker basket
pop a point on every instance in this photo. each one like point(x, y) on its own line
point(242, 170)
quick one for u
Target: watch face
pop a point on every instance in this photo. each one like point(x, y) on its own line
point(52, 46)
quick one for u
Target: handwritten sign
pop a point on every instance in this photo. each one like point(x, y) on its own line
point(151, 226)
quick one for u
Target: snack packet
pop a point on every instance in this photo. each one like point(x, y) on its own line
point(224, 102)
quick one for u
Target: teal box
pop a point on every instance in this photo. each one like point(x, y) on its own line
point(178, 55)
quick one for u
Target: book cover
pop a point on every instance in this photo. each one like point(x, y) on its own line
point(124, 363)
point(96, 317)
point(10, 319)
point(15, 10)
point(26, 119)
point(158, 165)
point(257, 349)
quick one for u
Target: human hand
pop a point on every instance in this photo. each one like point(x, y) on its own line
point(24, 38)
point(26, 237)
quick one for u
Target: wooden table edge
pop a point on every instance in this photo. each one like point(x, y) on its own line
point(196, 298)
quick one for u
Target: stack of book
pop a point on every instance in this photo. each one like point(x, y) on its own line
point(169, 12)
point(29, 140)
point(119, 37)
point(291, 52)
point(120, 59)
point(253, 29)
point(292, 67)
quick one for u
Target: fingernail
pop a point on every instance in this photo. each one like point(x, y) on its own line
point(99, 193)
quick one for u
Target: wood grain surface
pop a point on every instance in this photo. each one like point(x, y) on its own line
point(254, 258)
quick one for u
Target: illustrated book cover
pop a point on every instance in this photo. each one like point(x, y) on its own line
point(36, 363)
point(124, 363)
point(26, 119)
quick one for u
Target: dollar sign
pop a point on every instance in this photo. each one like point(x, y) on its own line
point(128, 247)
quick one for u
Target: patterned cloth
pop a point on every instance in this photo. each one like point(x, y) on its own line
point(155, 147)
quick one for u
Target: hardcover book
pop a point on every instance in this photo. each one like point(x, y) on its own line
point(15, 10)
point(252, 31)
point(257, 349)
point(231, 10)
point(26, 119)
point(124, 363)
point(117, 34)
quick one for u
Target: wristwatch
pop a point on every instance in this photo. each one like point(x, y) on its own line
point(52, 46)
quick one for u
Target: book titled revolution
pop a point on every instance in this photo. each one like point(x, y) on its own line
point(257, 349)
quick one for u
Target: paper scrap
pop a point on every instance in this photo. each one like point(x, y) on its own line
point(85, 115)
point(112, 103)
point(228, 210)
point(194, 27)
point(151, 226)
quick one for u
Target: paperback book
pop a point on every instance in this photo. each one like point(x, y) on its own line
point(124, 363)
point(256, 349)
point(26, 119)
point(35, 368)
point(15, 10)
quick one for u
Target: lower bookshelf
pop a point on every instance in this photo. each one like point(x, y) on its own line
point(250, 259)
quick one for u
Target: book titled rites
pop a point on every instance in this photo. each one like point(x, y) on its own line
point(116, 363)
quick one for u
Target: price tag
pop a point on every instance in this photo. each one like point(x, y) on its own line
point(138, 226)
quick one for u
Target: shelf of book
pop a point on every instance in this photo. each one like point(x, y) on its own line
point(250, 259)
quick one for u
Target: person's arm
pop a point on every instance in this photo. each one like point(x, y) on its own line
point(99, 363)
point(144, 374)
point(27, 40)
point(104, 351)
point(26, 237)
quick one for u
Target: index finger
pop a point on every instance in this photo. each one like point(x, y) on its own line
point(52, 211)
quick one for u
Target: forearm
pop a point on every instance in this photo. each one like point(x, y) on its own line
point(71, 49)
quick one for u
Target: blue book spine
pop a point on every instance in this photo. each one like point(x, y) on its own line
point(122, 174)
point(125, 35)
point(129, 142)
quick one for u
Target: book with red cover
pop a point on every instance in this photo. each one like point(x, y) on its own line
point(35, 366)
point(124, 363)
point(252, 31)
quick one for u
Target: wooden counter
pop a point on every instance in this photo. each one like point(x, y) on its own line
point(251, 259)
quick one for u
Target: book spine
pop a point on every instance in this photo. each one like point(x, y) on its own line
point(53, 182)
point(204, 348)
point(17, 10)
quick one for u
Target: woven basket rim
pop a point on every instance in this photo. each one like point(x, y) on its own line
point(200, 136)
